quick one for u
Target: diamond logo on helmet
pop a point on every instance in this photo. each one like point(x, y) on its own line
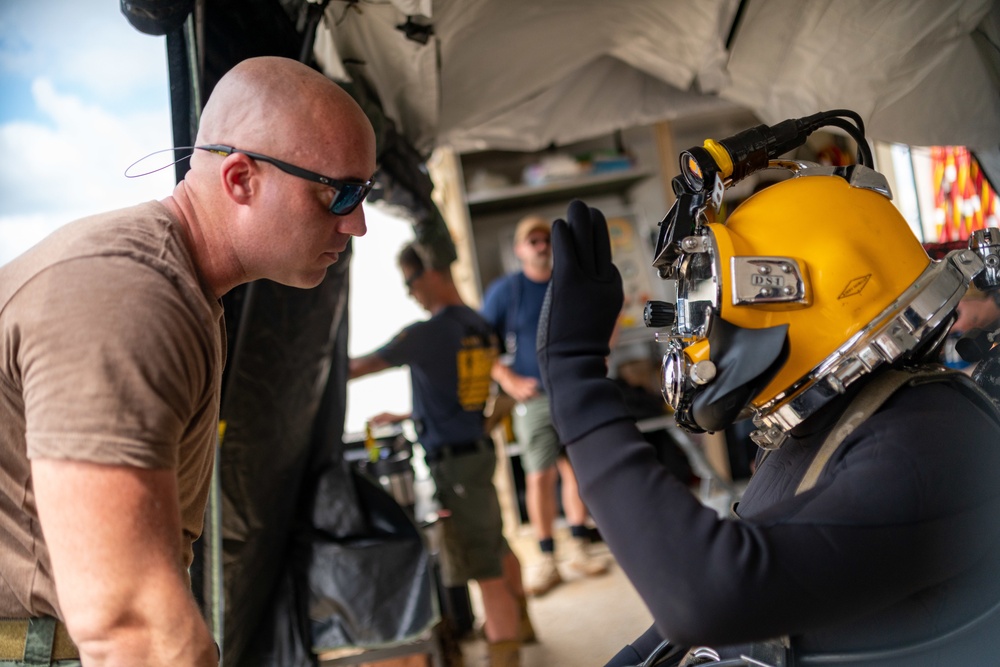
point(855, 286)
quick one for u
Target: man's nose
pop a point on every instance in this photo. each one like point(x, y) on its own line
point(353, 223)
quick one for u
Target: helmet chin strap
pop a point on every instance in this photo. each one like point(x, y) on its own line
point(747, 360)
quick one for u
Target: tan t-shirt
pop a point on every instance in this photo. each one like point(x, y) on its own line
point(111, 351)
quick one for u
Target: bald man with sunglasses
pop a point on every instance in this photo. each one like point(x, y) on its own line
point(112, 344)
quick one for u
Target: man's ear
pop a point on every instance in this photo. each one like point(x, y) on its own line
point(238, 173)
point(436, 276)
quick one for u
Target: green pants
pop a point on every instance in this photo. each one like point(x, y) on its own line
point(473, 541)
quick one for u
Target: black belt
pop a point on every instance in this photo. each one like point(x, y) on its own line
point(460, 449)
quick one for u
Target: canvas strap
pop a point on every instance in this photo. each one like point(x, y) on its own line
point(864, 405)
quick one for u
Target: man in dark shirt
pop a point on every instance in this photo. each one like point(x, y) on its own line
point(450, 357)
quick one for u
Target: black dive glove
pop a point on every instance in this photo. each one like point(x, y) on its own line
point(581, 307)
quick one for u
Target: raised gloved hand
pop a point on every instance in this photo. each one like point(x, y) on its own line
point(581, 307)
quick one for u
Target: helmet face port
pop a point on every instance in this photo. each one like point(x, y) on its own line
point(673, 376)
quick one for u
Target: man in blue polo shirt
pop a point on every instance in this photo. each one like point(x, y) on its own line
point(450, 357)
point(513, 305)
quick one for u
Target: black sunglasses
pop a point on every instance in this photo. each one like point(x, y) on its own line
point(348, 194)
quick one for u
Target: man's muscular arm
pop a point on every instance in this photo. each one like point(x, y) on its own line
point(114, 538)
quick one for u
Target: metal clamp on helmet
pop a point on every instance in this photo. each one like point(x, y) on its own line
point(810, 284)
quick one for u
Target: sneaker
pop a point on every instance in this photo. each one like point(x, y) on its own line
point(579, 558)
point(544, 577)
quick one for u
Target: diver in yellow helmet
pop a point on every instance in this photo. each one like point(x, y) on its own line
point(867, 535)
point(799, 302)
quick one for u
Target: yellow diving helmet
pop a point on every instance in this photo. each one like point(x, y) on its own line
point(810, 284)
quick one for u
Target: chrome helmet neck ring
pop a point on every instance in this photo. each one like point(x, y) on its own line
point(904, 326)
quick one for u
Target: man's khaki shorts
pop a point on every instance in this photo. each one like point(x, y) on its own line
point(536, 437)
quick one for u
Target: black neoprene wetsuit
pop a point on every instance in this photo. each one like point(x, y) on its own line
point(898, 542)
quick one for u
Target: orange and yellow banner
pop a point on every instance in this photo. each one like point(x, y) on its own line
point(963, 198)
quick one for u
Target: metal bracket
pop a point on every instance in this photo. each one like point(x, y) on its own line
point(767, 280)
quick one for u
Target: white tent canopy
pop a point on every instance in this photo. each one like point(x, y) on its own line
point(523, 74)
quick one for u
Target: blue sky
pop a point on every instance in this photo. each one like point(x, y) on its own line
point(83, 94)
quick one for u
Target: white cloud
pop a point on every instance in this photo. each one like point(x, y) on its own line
point(100, 101)
point(71, 163)
point(18, 233)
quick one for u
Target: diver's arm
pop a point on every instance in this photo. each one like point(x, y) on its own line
point(677, 553)
point(806, 561)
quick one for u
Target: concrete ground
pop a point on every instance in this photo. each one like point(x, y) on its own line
point(582, 622)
